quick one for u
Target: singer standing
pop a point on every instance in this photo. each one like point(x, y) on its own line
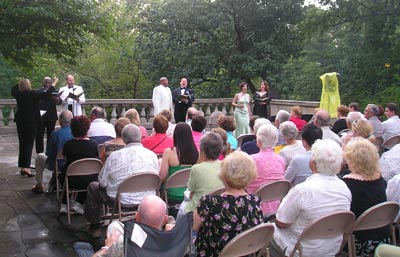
point(72, 97)
point(162, 98)
point(183, 98)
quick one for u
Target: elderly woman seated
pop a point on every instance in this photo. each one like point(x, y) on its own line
point(360, 128)
point(116, 143)
point(293, 146)
point(270, 166)
point(367, 188)
point(203, 177)
point(219, 218)
point(160, 141)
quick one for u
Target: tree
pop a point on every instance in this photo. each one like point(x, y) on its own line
point(62, 28)
point(218, 43)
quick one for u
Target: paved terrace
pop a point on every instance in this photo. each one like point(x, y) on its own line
point(30, 225)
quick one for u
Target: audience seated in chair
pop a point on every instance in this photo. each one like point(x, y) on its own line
point(368, 189)
point(133, 116)
point(390, 163)
point(270, 166)
point(198, 125)
point(171, 126)
point(322, 120)
point(226, 147)
point(251, 147)
point(121, 164)
point(391, 126)
point(371, 113)
point(340, 123)
point(183, 155)
point(203, 177)
point(160, 141)
point(295, 117)
point(360, 128)
point(321, 194)
point(114, 144)
point(293, 146)
point(219, 218)
point(299, 168)
point(281, 117)
point(100, 130)
point(55, 143)
point(228, 124)
point(79, 147)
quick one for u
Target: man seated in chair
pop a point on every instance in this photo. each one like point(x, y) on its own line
point(321, 194)
point(151, 212)
point(55, 143)
point(121, 164)
point(100, 130)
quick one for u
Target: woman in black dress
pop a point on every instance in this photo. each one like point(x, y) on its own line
point(27, 119)
point(262, 100)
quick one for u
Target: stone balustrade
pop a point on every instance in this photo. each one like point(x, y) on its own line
point(117, 108)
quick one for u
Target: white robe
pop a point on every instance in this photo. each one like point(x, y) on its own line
point(76, 105)
point(162, 99)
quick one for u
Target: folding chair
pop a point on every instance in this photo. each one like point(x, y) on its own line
point(141, 182)
point(390, 142)
point(377, 216)
point(378, 143)
point(326, 227)
point(159, 243)
point(82, 167)
point(176, 180)
point(249, 241)
point(217, 191)
point(59, 157)
point(241, 137)
point(272, 191)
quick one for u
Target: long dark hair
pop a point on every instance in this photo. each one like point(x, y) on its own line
point(184, 144)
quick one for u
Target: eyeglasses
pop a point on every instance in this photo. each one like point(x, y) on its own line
point(355, 124)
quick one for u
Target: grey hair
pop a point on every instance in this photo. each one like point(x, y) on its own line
point(267, 136)
point(65, 118)
point(131, 134)
point(282, 116)
point(352, 116)
point(288, 130)
point(374, 109)
point(98, 112)
point(328, 156)
point(259, 122)
point(211, 145)
point(47, 79)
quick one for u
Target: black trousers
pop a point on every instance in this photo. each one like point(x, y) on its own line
point(26, 137)
point(180, 112)
point(42, 126)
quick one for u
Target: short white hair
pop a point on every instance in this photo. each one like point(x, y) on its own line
point(259, 122)
point(282, 116)
point(352, 116)
point(288, 130)
point(267, 136)
point(328, 156)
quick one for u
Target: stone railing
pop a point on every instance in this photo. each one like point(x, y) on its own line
point(117, 108)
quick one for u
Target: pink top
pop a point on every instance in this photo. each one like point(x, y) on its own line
point(144, 132)
point(158, 143)
point(298, 122)
point(196, 138)
point(270, 167)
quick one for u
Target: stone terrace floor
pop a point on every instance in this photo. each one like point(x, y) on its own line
point(29, 223)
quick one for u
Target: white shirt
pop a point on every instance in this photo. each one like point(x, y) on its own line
point(290, 151)
point(319, 195)
point(131, 160)
point(162, 99)
point(391, 127)
point(393, 190)
point(327, 133)
point(99, 127)
point(76, 105)
point(299, 169)
point(377, 126)
point(390, 163)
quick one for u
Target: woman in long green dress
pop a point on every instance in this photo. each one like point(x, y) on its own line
point(241, 102)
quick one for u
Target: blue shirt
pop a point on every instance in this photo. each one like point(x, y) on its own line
point(56, 143)
point(231, 140)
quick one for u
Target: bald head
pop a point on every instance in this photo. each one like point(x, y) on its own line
point(65, 118)
point(322, 118)
point(152, 212)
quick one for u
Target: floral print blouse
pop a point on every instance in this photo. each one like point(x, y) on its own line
point(224, 217)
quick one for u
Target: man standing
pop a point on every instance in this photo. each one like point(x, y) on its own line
point(162, 97)
point(121, 164)
point(183, 98)
point(55, 143)
point(48, 113)
point(72, 96)
point(371, 113)
point(391, 126)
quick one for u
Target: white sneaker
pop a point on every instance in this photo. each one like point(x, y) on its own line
point(77, 207)
point(63, 208)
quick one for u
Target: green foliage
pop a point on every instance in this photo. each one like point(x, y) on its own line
point(60, 27)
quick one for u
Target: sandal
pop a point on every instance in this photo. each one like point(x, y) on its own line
point(37, 189)
point(26, 173)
